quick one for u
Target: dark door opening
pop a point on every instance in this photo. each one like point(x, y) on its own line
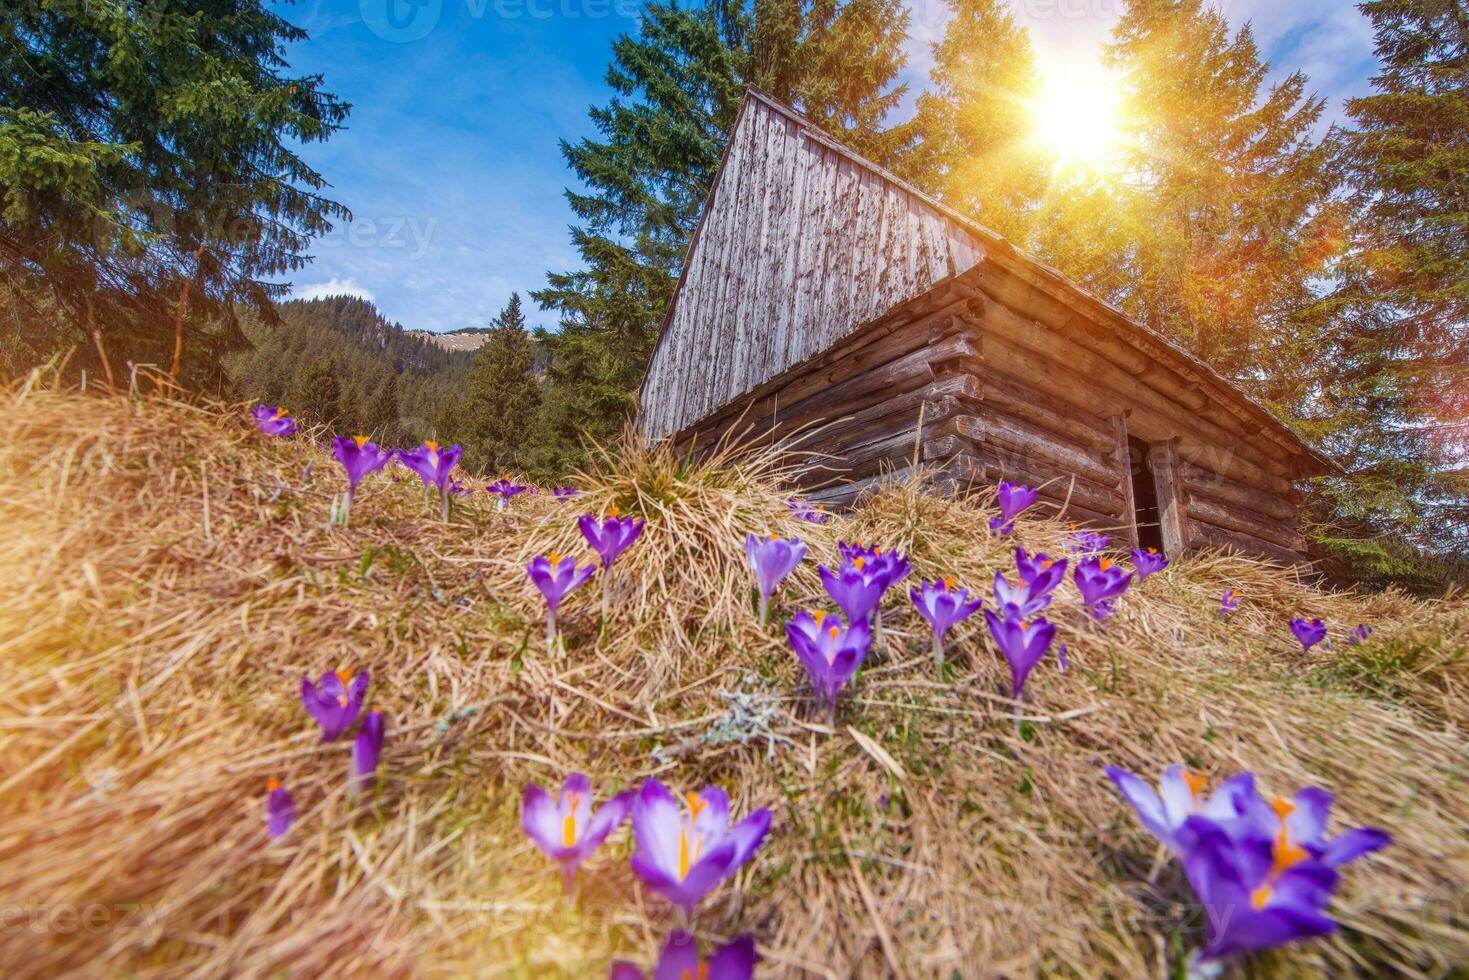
point(1144, 496)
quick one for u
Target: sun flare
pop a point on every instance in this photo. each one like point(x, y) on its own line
point(1076, 115)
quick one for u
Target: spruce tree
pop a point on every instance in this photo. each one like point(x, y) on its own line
point(678, 85)
point(148, 161)
point(501, 396)
point(976, 153)
point(1226, 205)
point(1401, 367)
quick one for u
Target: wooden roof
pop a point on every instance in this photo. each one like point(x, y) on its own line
point(794, 222)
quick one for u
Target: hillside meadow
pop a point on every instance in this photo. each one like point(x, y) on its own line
point(167, 576)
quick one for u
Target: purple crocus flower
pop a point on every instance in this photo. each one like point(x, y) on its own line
point(1013, 498)
point(1022, 642)
point(830, 651)
point(335, 701)
point(1359, 635)
point(564, 827)
point(562, 493)
point(856, 587)
point(1308, 633)
point(1039, 577)
point(367, 749)
point(358, 457)
point(816, 515)
point(432, 465)
point(273, 421)
point(505, 490)
point(942, 605)
point(1254, 896)
point(610, 536)
point(1180, 795)
point(1085, 543)
point(458, 489)
point(556, 577)
point(680, 960)
point(1228, 603)
point(280, 809)
point(1148, 561)
point(1300, 822)
point(1263, 871)
point(772, 559)
point(683, 854)
point(1100, 583)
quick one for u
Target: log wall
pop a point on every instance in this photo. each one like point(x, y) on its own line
point(1002, 394)
point(828, 305)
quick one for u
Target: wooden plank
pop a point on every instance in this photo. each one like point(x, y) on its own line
point(1224, 515)
point(1125, 465)
point(706, 324)
point(979, 473)
point(1009, 433)
point(1018, 398)
point(1243, 496)
point(801, 254)
point(1202, 535)
point(1148, 418)
point(1172, 510)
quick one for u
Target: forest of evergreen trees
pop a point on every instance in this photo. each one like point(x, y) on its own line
point(1324, 268)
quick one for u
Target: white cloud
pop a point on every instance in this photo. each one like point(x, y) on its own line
point(333, 287)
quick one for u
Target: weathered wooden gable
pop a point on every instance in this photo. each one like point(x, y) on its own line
point(801, 242)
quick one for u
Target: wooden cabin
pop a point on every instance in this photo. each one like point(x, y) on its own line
point(828, 304)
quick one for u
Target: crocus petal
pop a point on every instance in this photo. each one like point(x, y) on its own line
point(1145, 801)
point(541, 820)
point(679, 959)
point(748, 835)
point(736, 961)
point(656, 824)
point(1352, 844)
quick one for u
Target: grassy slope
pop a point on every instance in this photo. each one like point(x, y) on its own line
point(166, 577)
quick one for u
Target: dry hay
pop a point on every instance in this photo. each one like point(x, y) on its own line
point(167, 577)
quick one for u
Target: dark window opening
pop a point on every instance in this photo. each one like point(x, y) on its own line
point(1144, 496)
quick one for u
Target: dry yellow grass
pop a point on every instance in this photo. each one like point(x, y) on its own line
point(166, 577)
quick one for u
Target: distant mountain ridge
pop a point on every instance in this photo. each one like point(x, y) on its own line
point(460, 340)
point(340, 362)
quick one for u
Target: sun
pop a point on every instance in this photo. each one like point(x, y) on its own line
point(1076, 116)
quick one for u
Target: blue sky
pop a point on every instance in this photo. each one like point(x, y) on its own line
point(450, 161)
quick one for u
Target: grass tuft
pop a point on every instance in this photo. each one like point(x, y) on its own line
point(168, 576)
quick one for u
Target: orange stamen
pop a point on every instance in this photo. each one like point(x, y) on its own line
point(271, 785)
point(554, 557)
point(1260, 896)
point(613, 512)
point(280, 410)
point(1152, 551)
point(1196, 783)
point(818, 616)
point(360, 440)
point(858, 562)
point(430, 445)
point(948, 582)
point(1282, 807)
point(1104, 564)
point(696, 804)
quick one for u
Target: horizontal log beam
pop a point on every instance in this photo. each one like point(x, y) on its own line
point(1221, 514)
point(1204, 535)
point(1024, 400)
point(1009, 433)
point(1199, 479)
point(1004, 324)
